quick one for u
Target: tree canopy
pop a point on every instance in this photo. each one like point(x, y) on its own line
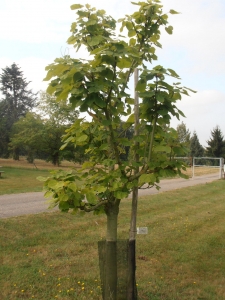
point(196, 149)
point(216, 143)
point(99, 87)
point(16, 101)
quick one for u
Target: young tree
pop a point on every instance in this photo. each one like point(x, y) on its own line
point(216, 144)
point(99, 87)
point(16, 102)
point(196, 149)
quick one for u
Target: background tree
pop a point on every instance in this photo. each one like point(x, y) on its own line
point(184, 136)
point(40, 135)
point(27, 136)
point(216, 144)
point(57, 116)
point(196, 149)
point(16, 101)
point(98, 86)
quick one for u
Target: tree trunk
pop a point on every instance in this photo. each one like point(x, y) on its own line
point(110, 268)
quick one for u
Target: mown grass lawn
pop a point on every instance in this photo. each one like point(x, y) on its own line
point(20, 180)
point(54, 255)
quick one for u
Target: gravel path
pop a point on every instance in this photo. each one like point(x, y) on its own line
point(32, 203)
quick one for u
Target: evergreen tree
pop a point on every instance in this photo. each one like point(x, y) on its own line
point(184, 134)
point(216, 144)
point(16, 101)
point(196, 149)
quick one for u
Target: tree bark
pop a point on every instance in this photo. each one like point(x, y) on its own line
point(110, 268)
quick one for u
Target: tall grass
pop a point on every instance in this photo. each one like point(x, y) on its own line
point(54, 256)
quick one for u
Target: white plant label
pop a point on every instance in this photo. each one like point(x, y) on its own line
point(142, 230)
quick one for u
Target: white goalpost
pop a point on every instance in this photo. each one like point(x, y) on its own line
point(208, 162)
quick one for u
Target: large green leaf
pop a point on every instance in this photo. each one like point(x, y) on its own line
point(124, 63)
point(72, 186)
point(147, 178)
point(141, 85)
point(91, 198)
point(82, 138)
point(52, 183)
point(63, 206)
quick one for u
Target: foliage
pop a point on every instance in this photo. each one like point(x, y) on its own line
point(196, 149)
point(16, 102)
point(39, 135)
point(216, 144)
point(184, 134)
point(98, 86)
point(57, 116)
point(27, 135)
point(58, 113)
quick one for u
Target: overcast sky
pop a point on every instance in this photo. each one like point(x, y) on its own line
point(33, 33)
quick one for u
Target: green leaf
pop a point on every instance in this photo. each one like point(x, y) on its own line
point(173, 73)
point(82, 138)
point(131, 33)
point(73, 186)
point(64, 197)
point(159, 148)
point(71, 40)
point(78, 76)
point(120, 194)
point(131, 119)
point(141, 85)
point(169, 29)
point(64, 206)
point(124, 63)
point(132, 42)
point(107, 73)
point(147, 178)
point(129, 101)
point(159, 97)
point(59, 185)
point(99, 101)
point(76, 6)
point(96, 40)
point(48, 194)
point(91, 198)
point(173, 12)
point(52, 183)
